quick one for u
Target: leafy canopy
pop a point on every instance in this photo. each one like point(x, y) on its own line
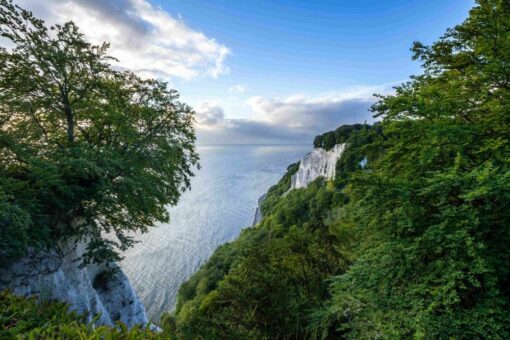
point(433, 209)
point(85, 149)
point(413, 245)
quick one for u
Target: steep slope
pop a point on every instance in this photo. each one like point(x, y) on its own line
point(267, 283)
point(318, 163)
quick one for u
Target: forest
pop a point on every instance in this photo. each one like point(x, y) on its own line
point(412, 245)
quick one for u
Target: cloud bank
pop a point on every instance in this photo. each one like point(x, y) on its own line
point(292, 119)
point(145, 38)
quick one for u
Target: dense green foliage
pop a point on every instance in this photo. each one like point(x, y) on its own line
point(329, 139)
point(360, 149)
point(84, 149)
point(414, 245)
point(274, 193)
point(433, 209)
point(22, 318)
point(264, 284)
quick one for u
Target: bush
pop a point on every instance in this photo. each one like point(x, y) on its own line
point(28, 318)
point(329, 140)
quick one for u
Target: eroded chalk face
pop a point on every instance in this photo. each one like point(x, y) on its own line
point(56, 274)
point(318, 163)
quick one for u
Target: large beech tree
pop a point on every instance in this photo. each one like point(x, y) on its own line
point(85, 150)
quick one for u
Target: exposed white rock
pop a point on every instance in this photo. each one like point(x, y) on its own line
point(55, 275)
point(258, 212)
point(318, 163)
point(363, 163)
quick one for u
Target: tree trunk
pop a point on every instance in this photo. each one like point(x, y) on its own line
point(70, 122)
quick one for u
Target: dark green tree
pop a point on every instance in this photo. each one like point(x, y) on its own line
point(317, 142)
point(329, 140)
point(85, 150)
point(343, 132)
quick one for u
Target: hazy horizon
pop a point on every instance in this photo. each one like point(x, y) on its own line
point(264, 72)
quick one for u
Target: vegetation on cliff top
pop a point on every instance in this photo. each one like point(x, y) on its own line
point(413, 246)
point(28, 318)
point(339, 136)
point(84, 149)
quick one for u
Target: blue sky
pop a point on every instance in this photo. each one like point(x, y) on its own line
point(265, 71)
point(284, 47)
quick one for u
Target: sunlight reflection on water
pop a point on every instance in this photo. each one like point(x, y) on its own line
point(221, 202)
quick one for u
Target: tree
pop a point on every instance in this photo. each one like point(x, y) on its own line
point(329, 140)
point(343, 132)
point(317, 142)
point(85, 150)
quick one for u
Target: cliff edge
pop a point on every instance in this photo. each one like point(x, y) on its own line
point(318, 163)
point(56, 275)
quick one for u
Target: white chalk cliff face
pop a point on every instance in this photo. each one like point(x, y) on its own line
point(56, 275)
point(258, 212)
point(318, 163)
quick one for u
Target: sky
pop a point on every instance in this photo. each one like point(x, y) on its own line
point(265, 72)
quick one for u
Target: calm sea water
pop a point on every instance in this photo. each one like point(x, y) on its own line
point(222, 201)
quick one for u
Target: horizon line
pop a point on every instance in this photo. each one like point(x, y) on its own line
point(258, 144)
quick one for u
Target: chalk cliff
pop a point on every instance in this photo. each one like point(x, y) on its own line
point(56, 275)
point(318, 163)
point(258, 212)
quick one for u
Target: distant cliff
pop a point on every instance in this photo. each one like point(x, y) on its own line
point(318, 163)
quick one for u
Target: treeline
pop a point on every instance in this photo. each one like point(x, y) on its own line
point(415, 245)
point(329, 139)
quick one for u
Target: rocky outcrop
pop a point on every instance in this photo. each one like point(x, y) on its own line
point(258, 212)
point(56, 275)
point(318, 163)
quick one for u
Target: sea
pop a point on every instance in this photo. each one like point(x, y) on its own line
point(221, 202)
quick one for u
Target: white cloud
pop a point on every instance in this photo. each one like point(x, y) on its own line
point(295, 118)
point(209, 115)
point(238, 89)
point(320, 112)
point(301, 112)
point(145, 38)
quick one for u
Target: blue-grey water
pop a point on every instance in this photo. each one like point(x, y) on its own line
point(221, 202)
